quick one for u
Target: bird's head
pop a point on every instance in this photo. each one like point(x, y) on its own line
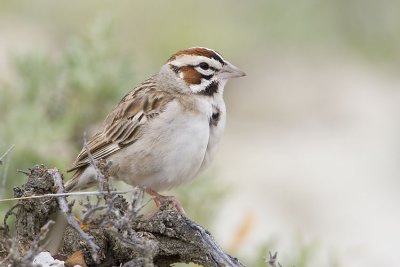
point(199, 70)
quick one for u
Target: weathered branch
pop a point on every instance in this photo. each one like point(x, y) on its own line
point(32, 214)
point(123, 237)
point(182, 240)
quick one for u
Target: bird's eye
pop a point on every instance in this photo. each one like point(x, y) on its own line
point(204, 66)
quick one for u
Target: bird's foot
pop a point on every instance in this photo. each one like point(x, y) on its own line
point(164, 201)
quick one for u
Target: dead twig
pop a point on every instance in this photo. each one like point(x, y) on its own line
point(35, 248)
point(99, 174)
point(272, 261)
point(63, 204)
point(6, 153)
point(8, 214)
point(64, 195)
point(14, 258)
point(27, 173)
point(5, 170)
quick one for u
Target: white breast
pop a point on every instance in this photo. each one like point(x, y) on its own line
point(171, 151)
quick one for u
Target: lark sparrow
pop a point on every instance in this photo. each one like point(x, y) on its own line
point(161, 134)
point(166, 130)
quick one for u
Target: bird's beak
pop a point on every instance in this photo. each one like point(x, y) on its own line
point(230, 71)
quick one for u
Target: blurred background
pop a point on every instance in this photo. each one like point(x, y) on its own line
point(310, 160)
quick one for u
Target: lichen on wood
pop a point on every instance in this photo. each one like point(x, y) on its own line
point(122, 235)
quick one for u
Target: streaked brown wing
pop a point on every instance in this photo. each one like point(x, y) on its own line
point(123, 125)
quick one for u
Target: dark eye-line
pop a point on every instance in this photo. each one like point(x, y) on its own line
point(204, 66)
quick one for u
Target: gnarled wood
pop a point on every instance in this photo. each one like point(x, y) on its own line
point(123, 237)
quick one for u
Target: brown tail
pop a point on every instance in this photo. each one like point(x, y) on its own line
point(55, 237)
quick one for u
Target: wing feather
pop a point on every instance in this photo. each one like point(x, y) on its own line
point(123, 126)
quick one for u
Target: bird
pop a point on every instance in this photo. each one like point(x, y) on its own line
point(164, 132)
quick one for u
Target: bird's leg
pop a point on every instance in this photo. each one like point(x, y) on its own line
point(161, 200)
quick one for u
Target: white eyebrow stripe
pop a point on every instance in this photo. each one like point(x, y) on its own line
point(184, 60)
